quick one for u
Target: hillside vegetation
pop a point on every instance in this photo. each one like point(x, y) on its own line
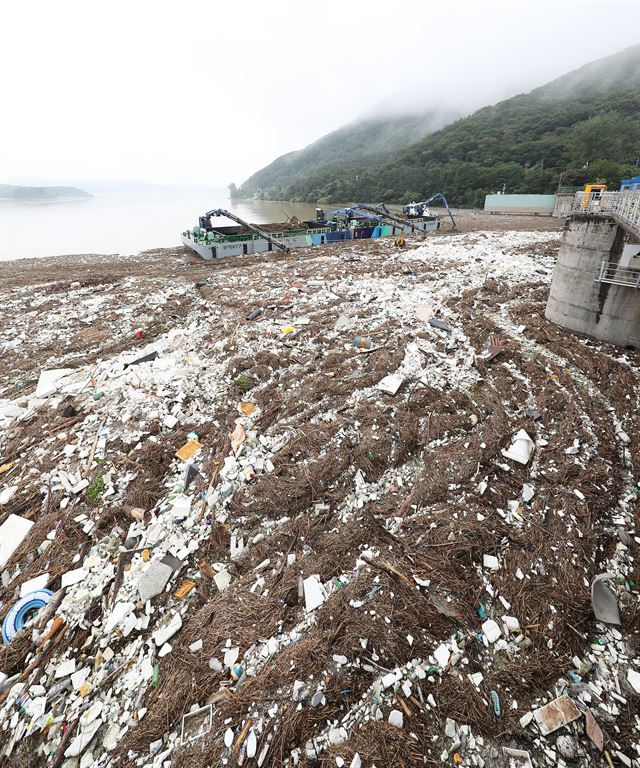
point(582, 126)
point(348, 149)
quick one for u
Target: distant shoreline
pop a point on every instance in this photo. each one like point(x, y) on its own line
point(20, 194)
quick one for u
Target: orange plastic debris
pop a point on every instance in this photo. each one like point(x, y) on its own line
point(206, 569)
point(189, 449)
point(184, 589)
point(246, 408)
point(58, 624)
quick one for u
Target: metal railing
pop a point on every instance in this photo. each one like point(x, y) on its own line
point(622, 206)
point(613, 273)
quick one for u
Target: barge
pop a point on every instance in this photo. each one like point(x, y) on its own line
point(360, 222)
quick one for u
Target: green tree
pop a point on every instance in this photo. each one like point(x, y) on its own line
point(609, 136)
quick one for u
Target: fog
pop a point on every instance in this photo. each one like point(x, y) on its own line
point(196, 92)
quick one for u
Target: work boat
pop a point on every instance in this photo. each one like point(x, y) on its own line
point(359, 222)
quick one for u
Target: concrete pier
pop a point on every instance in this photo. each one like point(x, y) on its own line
point(593, 291)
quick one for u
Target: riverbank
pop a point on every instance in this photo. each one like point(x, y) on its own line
point(312, 520)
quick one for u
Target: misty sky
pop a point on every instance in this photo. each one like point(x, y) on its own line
point(197, 92)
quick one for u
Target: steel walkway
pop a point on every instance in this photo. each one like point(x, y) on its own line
point(624, 207)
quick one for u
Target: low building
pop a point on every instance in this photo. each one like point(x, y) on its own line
point(540, 205)
point(630, 185)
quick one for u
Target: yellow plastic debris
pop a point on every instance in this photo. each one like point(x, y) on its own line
point(189, 449)
point(288, 329)
point(85, 688)
point(6, 467)
point(145, 555)
point(247, 408)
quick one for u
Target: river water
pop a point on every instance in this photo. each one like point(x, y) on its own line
point(123, 221)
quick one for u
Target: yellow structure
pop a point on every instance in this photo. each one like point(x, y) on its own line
point(589, 189)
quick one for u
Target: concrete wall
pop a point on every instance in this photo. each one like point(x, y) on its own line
point(576, 301)
point(563, 204)
point(542, 204)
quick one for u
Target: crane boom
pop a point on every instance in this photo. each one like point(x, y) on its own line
point(384, 214)
point(205, 223)
point(424, 204)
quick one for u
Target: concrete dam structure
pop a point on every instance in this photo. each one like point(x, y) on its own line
point(595, 288)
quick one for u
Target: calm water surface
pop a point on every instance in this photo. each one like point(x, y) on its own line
point(123, 222)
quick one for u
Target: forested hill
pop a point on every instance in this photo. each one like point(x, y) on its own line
point(40, 194)
point(583, 126)
point(357, 145)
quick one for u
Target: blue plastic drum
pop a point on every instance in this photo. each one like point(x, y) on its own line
point(23, 611)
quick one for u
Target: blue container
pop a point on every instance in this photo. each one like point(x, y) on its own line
point(23, 611)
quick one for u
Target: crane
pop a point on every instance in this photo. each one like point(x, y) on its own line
point(382, 212)
point(418, 209)
point(205, 223)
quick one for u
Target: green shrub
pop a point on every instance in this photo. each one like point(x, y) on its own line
point(96, 489)
point(244, 383)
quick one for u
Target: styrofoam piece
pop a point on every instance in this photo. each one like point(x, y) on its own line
point(313, 593)
point(222, 579)
point(34, 585)
point(423, 312)
point(604, 601)
point(231, 656)
point(634, 679)
point(50, 381)
point(521, 448)
point(12, 533)
point(390, 383)
point(120, 610)
point(491, 562)
point(73, 577)
point(7, 493)
point(491, 630)
point(518, 758)
point(153, 580)
point(442, 655)
point(528, 492)
point(396, 718)
point(161, 635)
point(82, 741)
point(65, 668)
point(78, 678)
